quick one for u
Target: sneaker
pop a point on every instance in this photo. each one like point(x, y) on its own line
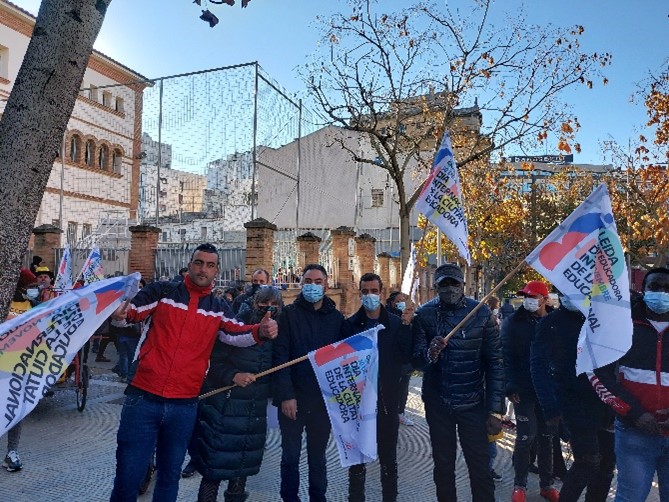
point(189, 470)
point(550, 494)
point(495, 476)
point(404, 420)
point(12, 461)
point(518, 494)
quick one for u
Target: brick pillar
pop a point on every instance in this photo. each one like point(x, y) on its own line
point(384, 272)
point(46, 240)
point(366, 252)
point(395, 272)
point(308, 249)
point(143, 246)
point(259, 246)
point(343, 274)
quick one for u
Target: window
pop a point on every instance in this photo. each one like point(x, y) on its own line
point(103, 158)
point(75, 147)
point(4, 62)
point(93, 92)
point(107, 98)
point(181, 199)
point(117, 160)
point(90, 150)
point(165, 236)
point(203, 233)
point(377, 197)
point(86, 230)
point(71, 232)
point(119, 105)
point(55, 222)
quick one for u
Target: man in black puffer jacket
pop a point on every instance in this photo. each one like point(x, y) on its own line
point(517, 335)
point(309, 323)
point(394, 345)
point(463, 383)
point(563, 395)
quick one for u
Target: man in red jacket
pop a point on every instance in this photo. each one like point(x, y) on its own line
point(161, 402)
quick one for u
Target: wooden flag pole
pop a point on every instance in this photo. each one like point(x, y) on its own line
point(478, 306)
point(257, 375)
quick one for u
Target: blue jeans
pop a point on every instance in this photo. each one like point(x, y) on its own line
point(126, 347)
point(317, 425)
point(638, 456)
point(147, 424)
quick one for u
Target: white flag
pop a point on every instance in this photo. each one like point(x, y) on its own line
point(584, 259)
point(441, 199)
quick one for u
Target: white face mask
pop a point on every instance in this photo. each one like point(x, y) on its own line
point(495, 311)
point(531, 304)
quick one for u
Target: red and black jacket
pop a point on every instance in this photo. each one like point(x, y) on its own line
point(174, 355)
point(639, 381)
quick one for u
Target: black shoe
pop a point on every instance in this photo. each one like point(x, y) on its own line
point(495, 476)
point(189, 470)
point(533, 469)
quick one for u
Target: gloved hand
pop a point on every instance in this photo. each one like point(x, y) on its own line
point(493, 425)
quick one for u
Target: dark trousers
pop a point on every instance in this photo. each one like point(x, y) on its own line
point(470, 425)
point(594, 461)
point(405, 379)
point(317, 425)
point(387, 427)
point(531, 426)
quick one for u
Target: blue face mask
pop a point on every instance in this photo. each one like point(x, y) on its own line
point(401, 306)
point(371, 302)
point(657, 301)
point(313, 293)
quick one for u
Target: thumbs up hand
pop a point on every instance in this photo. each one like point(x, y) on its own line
point(268, 329)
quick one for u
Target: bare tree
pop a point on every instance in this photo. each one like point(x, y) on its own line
point(401, 78)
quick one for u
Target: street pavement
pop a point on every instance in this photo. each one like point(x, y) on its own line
point(70, 455)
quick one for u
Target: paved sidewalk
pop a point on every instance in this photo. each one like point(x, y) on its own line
point(69, 456)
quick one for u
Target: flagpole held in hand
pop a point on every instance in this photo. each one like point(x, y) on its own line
point(257, 375)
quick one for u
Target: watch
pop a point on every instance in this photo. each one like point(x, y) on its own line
point(498, 416)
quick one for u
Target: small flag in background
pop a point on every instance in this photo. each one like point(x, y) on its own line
point(92, 270)
point(584, 259)
point(347, 374)
point(64, 277)
point(440, 199)
point(407, 279)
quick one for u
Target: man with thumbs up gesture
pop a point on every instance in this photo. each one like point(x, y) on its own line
point(182, 321)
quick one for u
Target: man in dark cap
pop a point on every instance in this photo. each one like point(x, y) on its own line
point(463, 382)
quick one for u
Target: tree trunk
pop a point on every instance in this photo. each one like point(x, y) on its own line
point(35, 119)
point(405, 235)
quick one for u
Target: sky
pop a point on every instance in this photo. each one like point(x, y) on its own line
point(166, 37)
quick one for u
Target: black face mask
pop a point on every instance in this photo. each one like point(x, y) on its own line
point(450, 295)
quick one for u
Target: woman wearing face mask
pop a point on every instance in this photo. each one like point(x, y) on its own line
point(517, 334)
point(232, 426)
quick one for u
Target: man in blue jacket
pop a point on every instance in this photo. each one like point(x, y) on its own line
point(310, 322)
point(394, 345)
point(463, 383)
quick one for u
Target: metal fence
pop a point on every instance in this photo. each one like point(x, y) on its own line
point(170, 259)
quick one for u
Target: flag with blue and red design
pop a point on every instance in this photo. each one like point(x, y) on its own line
point(584, 259)
point(93, 270)
point(440, 199)
point(347, 373)
point(37, 346)
point(64, 277)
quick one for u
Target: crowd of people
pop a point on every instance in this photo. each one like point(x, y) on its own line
point(178, 339)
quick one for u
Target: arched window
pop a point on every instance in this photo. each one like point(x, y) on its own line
point(75, 147)
point(103, 158)
point(90, 151)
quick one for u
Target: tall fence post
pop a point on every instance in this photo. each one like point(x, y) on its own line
point(143, 249)
point(47, 240)
point(364, 248)
point(259, 246)
point(384, 271)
